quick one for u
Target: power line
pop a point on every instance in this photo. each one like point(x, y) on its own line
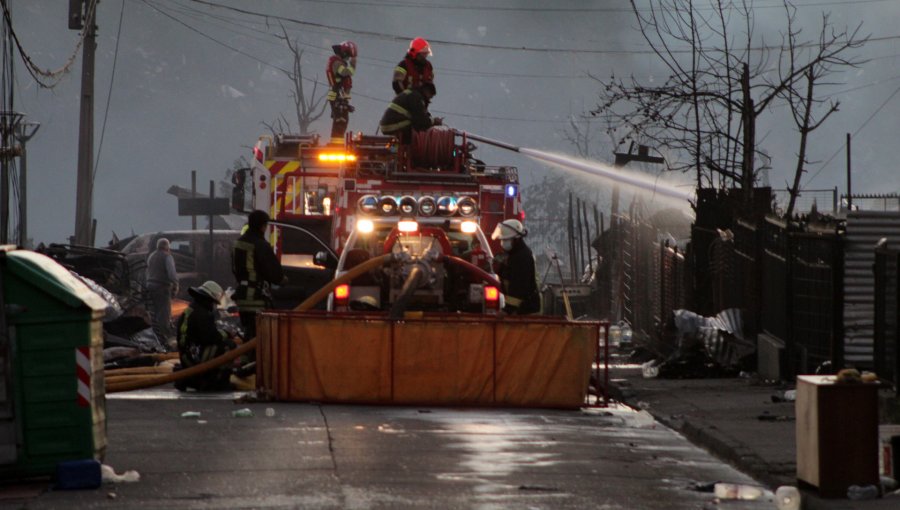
point(381, 35)
point(860, 128)
point(112, 79)
point(577, 10)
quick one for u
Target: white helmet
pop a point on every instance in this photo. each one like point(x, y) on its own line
point(509, 229)
point(209, 289)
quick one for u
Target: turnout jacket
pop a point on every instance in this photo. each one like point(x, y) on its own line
point(409, 75)
point(519, 280)
point(254, 264)
point(199, 339)
point(407, 111)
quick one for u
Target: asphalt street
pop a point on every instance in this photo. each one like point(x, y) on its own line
point(308, 455)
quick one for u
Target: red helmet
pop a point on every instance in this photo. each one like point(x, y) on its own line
point(419, 45)
point(349, 48)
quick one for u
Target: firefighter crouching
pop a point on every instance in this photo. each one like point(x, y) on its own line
point(516, 269)
point(409, 111)
point(255, 268)
point(200, 340)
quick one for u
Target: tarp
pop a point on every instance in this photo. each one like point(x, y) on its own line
point(439, 360)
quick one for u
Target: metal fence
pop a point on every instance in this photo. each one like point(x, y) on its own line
point(801, 297)
point(887, 314)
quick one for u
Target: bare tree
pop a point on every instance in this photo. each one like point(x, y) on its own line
point(720, 81)
point(307, 110)
point(802, 106)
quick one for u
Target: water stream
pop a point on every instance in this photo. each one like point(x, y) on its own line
point(647, 185)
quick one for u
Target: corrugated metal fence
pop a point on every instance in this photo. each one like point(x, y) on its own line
point(864, 230)
point(887, 313)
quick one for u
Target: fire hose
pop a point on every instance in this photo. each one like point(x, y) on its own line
point(244, 348)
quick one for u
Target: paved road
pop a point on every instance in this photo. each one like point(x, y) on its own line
point(357, 457)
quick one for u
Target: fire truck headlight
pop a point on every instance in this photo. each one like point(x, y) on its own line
point(427, 206)
point(408, 206)
point(467, 207)
point(468, 227)
point(368, 204)
point(446, 206)
point(511, 190)
point(387, 206)
point(365, 226)
point(407, 226)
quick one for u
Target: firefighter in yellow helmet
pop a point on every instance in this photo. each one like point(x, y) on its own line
point(414, 69)
point(516, 269)
point(341, 67)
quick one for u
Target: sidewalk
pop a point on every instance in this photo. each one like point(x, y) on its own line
point(734, 419)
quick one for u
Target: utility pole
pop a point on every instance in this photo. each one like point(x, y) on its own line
point(26, 131)
point(849, 177)
point(85, 10)
point(9, 123)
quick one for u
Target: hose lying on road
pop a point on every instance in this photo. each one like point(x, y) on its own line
point(233, 354)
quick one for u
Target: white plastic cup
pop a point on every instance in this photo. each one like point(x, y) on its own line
point(270, 412)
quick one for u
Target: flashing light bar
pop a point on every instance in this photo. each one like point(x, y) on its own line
point(491, 293)
point(330, 157)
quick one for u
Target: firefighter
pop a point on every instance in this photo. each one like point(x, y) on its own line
point(341, 67)
point(414, 69)
point(199, 339)
point(162, 286)
point(516, 269)
point(409, 111)
point(255, 268)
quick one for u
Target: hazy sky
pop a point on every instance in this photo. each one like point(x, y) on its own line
point(193, 84)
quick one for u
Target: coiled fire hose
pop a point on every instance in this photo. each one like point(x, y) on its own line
point(246, 347)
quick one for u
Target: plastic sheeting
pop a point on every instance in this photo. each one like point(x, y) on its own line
point(440, 360)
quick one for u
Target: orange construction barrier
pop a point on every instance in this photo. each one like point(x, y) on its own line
point(434, 360)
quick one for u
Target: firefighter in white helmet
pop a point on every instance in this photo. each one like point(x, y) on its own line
point(516, 269)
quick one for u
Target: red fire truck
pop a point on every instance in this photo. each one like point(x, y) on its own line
point(317, 194)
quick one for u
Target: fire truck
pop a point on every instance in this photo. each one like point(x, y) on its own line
point(333, 205)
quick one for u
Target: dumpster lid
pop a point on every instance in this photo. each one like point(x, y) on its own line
point(45, 273)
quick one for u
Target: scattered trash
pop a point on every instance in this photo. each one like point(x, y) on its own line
point(643, 405)
point(111, 495)
point(270, 412)
point(110, 476)
point(202, 422)
point(703, 487)
point(737, 491)
point(242, 413)
point(649, 369)
point(773, 417)
point(787, 497)
point(862, 492)
point(537, 488)
point(190, 414)
point(848, 376)
point(787, 396)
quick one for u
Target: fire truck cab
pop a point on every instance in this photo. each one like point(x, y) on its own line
point(317, 194)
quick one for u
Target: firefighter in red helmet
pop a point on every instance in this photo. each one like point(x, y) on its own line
point(414, 69)
point(341, 67)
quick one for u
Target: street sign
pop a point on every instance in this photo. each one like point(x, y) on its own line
point(203, 206)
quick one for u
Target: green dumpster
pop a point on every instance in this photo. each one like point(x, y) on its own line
point(52, 403)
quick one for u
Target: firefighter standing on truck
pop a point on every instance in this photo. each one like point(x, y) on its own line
point(255, 268)
point(414, 69)
point(516, 269)
point(341, 67)
point(409, 111)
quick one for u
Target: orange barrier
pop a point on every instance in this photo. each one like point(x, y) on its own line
point(435, 360)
